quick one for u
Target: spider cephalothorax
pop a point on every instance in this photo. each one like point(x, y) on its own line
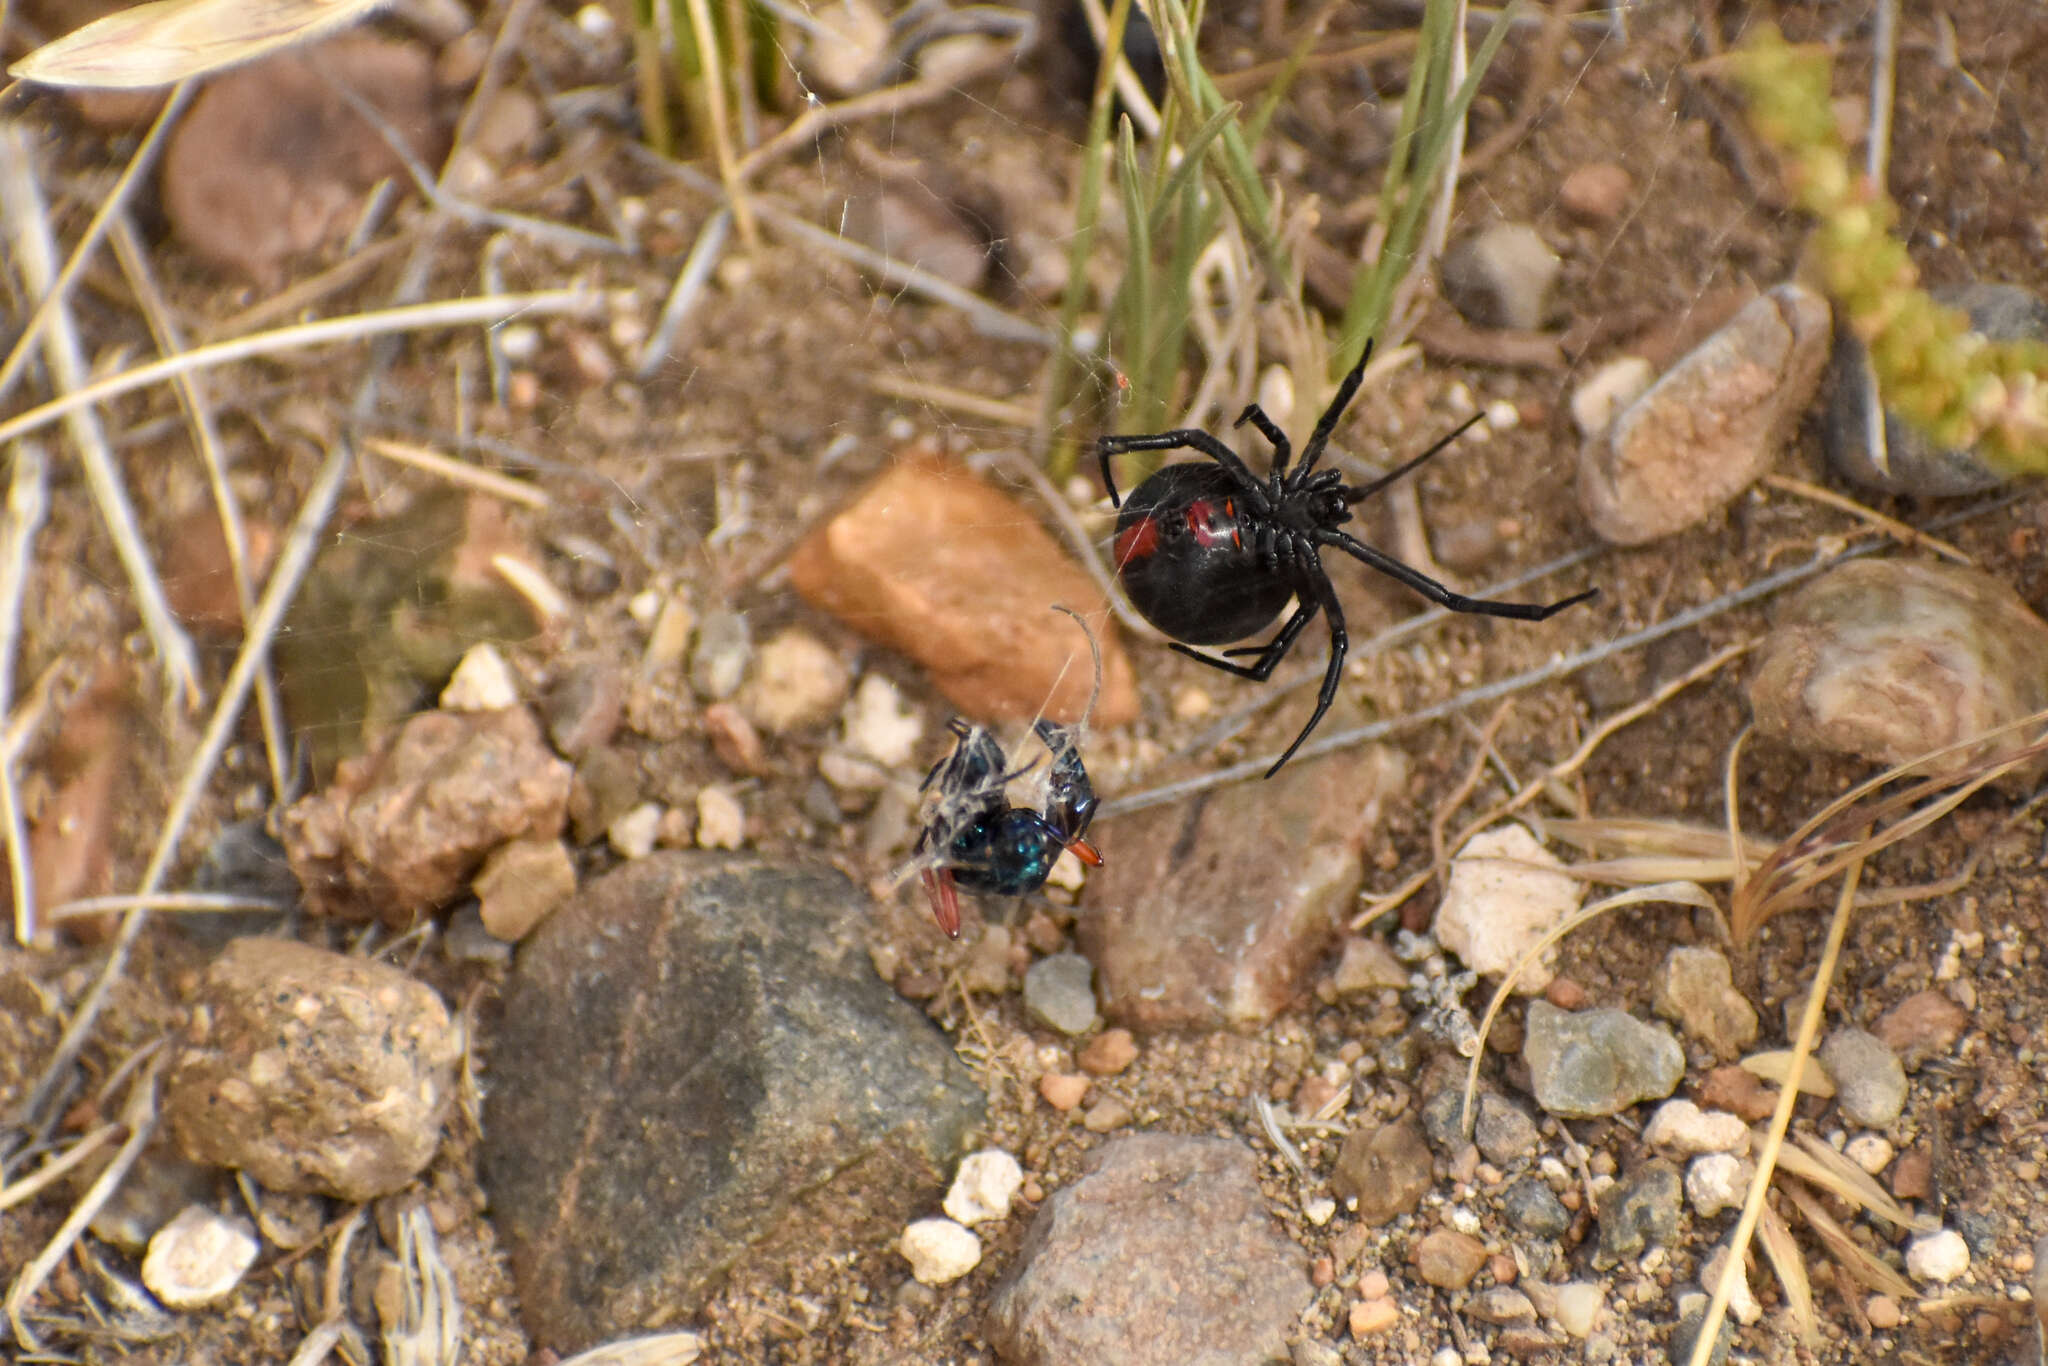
point(1210, 553)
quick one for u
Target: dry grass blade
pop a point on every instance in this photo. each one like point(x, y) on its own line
point(1865, 820)
point(660, 1349)
point(29, 1186)
point(1861, 1267)
point(429, 1327)
point(1781, 1249)
point(1681, 893)
point(458, 472)
point(171, 40)
point(1777, 1066)
point(1909, 537)
point(28, 502)
point(1642, 837)
point(1814, 1161)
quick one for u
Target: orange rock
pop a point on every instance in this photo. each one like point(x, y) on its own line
point(933, 562)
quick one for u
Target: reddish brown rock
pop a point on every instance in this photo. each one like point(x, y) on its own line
point(1596, 192)
point(399, 831)
point(1922, 1026)
point(312, 1071)
point(71, 843)
point(1448, 1259)
point(1218, 911)
point(931, 561)
point(271, 161)
point(1737, 1090)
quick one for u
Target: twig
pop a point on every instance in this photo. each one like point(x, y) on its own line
point(21, 202)
point(293, 560)
point(458, 472)
point(1884, 62)
point(689, 285)
point(193, 399)
point(1910, 537)
point(116, 199)
point(356, 327)
point(217, 902)
point(957, 400)
point(35, 1182)
point(28, 502)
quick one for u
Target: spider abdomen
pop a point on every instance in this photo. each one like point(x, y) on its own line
point(1187, 553)
point(1010, 852)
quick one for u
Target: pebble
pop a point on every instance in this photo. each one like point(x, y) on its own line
point(1738, 1091)
point(1872, 1152)
point(1925, 1025)
point(1220, 1280)
point(1059, 992)
point(584, 706)
point(721, 821)
point(915, 563)
point(1448, 1259)
point(878, 724)
point(1597, 1062)
point(1502, 277)
point(1883, 1312)
point(1063, 1091)
point(520, 883)
point(399, 832)
point(1913, 1174)
point(1501, 899)
point(1942, 1256)
point(1367, 965)
point(797, 681)
point(1222, 914)
point(1503, 1130)
point(735, 741)
point(1607, 391)
point(1595, 192)
point(939, 1251)
point(1385, 1169)
point(1685, 1335)
point(758, 1079)
point(1712, 426)
point(1870, 1085)
point(312, 1071)
point(1741, 1300)
point(482, 681)
point(1912, 465)
point(1319, 1210)
point(465, 940)
point(198, 1258)
point(245, 199)
point(1502, 1304)
point(1106, 1116)
point(1535, 1209)
point(983, 1187)
point(1641, 1212)
point(1718, 1181)
point(1370, 1318)
point(1889, 659)
point(633, 834)
point(1108, 1053)
point(724, 648)
point(1680, 1129)
point(1695, 986)
point(1578, 1307)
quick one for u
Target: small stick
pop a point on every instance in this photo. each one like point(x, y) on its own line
point(31, 1185)
point(712, 67)
point(214, 902)
point(28, 502)
point(458, 472)
point(689, 287)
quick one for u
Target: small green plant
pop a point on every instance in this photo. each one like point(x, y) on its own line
point(1956, 386)
point(670, 63)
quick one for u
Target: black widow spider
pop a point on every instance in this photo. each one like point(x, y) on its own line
point(975, 839)
point(1209, 554)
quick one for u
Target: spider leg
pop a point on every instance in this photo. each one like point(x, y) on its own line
point(1270, 654)
point(1359, 495)
point(1181, 438)
point(1283, 451)
point(938, 887)
point(1327, 423)
point(1440, 595)
point(1318, 587)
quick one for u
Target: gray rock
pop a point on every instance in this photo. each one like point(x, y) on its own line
point(1387, 1169)
point(1217, 912)
point(1696, 987)
point(1870, 1081)
point(698, 1065)
point(1597, 1062)
point(1502, 276)
point(1712, 426)
point(1162, 1254)
point(1535, 1209)
point(1889, 659)
point(312, 1071)
point(1641, 1212)
point(1912, 463)
point(724, 648)
point(162, 1183)
point(1503, 1130)
point(1685, 1335)
point(1059, 992)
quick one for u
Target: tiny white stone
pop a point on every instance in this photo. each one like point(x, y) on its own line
point(1716, 1182)
point(1319, 1209)
point(1067, 873)
point(984, 1186)
point(481, 682)
point(1503, 896)
point(1939, 1256)
point(1872, 1152)
point(197, 1258)
point(1447, 1356)
point(1607, 391)
point(1503, 416)
point(1276, 394)
point(1578, 1307)
point(1741, 1302)
point(1681, 1129)
point(595, 21)
point(642, 606)
point(519, 341)
point(939, 1250)
point(721, 822)
point(850, 773)
point(632, 835)
point(879, 725)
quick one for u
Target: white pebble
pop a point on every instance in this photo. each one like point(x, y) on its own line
point(939, 1250)
point(595, 21)
point(481, 682)
point(879, 725)
point(1502, 898)
point(197, 1258)
point(1872, 1152)
point(520, 342)
point(984, 1186)
point(1716, 1182)
point(1939, 1256)
point(721, 822)
point(1681, 1129)
point(1503, 416)
point(1578, 1307)
point(1607, 391)
point(1319, 1209)
point(632, 835)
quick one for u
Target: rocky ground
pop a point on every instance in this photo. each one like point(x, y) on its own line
point(575, 983)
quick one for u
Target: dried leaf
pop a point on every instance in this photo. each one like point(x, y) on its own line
point(171, 40)
point(1775, 1067)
